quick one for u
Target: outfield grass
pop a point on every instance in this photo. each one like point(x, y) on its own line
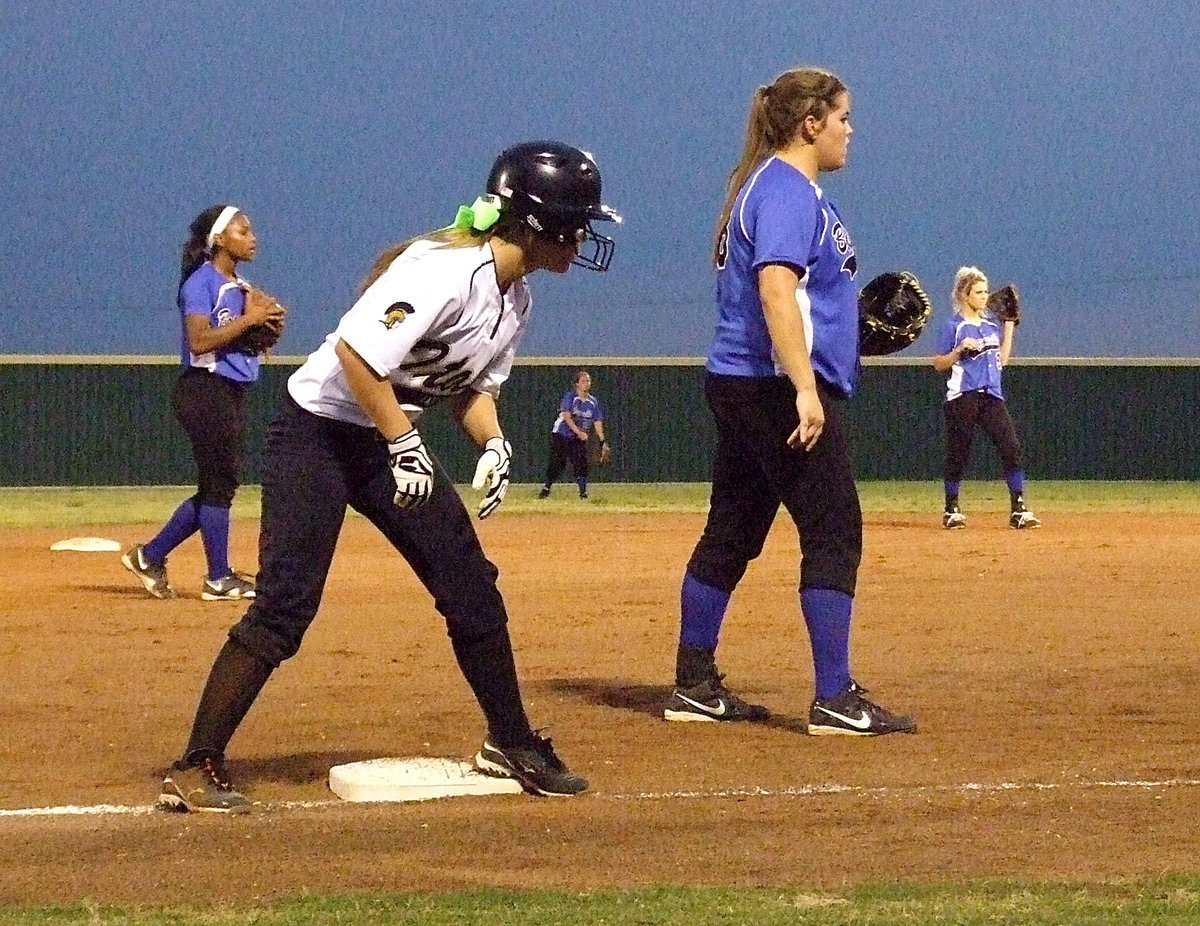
point(1171, 901)
point(72, 507)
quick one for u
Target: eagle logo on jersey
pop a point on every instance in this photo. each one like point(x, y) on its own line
point(841, 240)
point(395, 314)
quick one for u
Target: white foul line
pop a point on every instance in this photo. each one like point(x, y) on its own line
point(802, 791)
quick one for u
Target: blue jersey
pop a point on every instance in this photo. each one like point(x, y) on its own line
point(980, 373)
point(782, 217)
point(584, 412)
point(207, 292)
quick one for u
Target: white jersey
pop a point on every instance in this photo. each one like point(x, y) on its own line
point(435, 324)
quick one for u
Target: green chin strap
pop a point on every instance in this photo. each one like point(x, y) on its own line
point(480, 215)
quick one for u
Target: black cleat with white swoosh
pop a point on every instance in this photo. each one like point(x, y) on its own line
point(851, 714)
point(711, 701)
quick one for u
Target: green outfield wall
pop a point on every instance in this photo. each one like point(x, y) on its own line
point(106, 421)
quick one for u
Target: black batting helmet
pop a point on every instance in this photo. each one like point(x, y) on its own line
point(555, 189)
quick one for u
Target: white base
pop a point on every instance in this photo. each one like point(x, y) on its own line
point(87, 545)
point(418, 779)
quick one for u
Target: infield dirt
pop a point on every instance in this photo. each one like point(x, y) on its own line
point(1050, 671)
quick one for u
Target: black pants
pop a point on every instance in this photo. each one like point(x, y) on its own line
point(563, 449)
point(755, 471)
point(314, 468)
point(988, 412)
point(212, 411)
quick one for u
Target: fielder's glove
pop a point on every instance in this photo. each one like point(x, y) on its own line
point(491, 474)
point(259, 339)
point(892, 311)
point(1005, 304)
point(606, 454)
point(412, 468)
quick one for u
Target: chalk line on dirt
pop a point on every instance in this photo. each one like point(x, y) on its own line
point(798, 791)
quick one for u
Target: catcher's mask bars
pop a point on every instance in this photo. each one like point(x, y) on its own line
point(222, 222)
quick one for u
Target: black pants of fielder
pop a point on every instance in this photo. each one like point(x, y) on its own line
point(212, 411)
point(755, 471)
point(563, 449)
point(314, 468)
point(979, 409)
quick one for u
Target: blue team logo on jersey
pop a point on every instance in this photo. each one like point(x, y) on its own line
point(841, 241)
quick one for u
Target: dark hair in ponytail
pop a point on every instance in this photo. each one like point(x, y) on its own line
point(195, 249)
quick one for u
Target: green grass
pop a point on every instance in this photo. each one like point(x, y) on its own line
point(1168, 900)
point(72, 507)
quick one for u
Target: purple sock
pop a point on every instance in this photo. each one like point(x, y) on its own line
point(1015, 478)
point(701, 608)
point(179, 527)
point(214, 529)
point(827, 614)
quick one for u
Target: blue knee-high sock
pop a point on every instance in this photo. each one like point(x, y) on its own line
point(582, 481)
point(827, 614)
point(1015, 478)
point(179, 527)
point(701, 608)
point(214, 530)
point(952, 488)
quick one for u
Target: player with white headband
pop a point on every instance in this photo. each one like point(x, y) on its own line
point(219, 313)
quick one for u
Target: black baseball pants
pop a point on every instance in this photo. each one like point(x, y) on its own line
point(978, 409)
point(563, 449)
point(755, 471)
point(212, 410)
point(314, 468)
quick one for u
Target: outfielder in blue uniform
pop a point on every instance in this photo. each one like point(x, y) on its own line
point(439, 320)
point(974, 347)
point(782, 364)
point(578, 412)
point(216, 308)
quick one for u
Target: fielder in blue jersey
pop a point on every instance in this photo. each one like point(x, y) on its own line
point(578, 412)
point(974, 346)
point(216, 308)
point(782, 364)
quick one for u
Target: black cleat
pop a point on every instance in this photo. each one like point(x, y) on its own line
point(851, 714)
point(710, 701)
point(536, 767)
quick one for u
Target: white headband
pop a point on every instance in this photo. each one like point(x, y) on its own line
point(221, 224)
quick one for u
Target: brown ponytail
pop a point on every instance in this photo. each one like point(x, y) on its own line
point(776, 114)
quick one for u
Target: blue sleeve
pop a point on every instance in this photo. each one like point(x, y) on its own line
point(196, 296)
point(947, 336)
point(599, 409)
point(784, 225)
point(565, 404)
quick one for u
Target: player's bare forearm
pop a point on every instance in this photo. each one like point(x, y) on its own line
point(777, 285)
point(943, 362)
point(202, 338)
point(373, 393)
point(600, 432)
point(1006, 342)
point(477, 415)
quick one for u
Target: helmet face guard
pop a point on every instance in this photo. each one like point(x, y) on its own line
point(595, 251)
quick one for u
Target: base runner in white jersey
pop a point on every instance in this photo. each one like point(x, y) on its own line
point(440, 317)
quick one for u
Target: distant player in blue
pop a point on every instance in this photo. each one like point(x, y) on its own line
point(578, 412)
point(216, 308)
point(782, 364)
point(974, 346)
